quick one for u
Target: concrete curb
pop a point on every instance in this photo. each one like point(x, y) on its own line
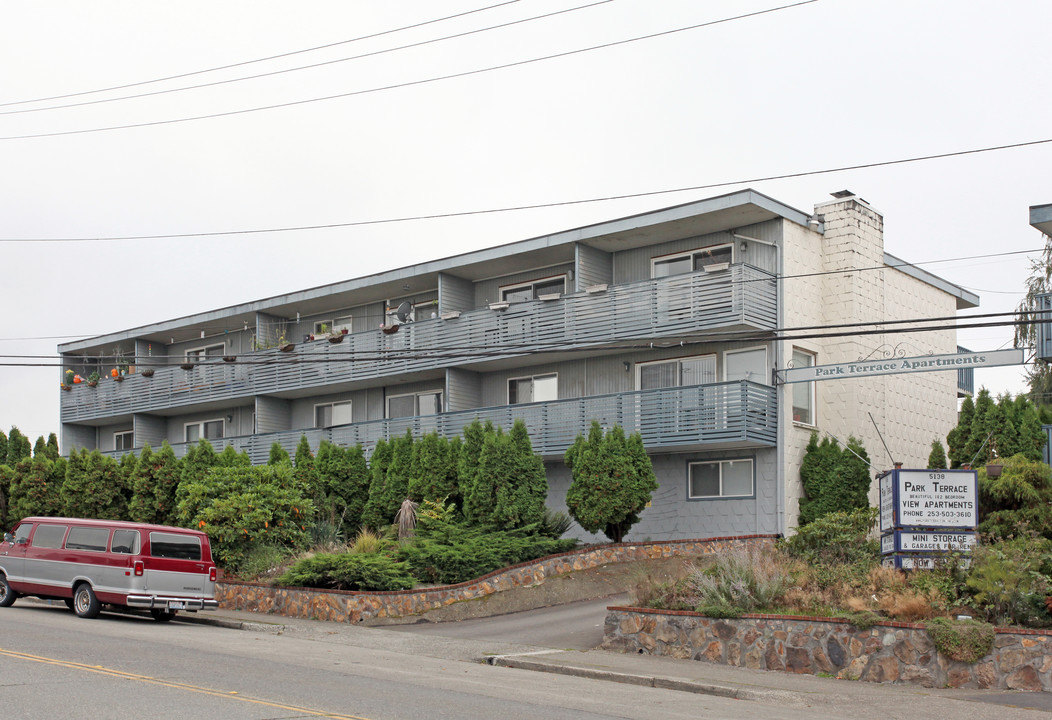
point(522, 662)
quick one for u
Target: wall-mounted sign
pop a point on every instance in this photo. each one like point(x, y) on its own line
point(929, 499)
point(924, 363)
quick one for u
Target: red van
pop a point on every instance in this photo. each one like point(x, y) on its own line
point(91, 563)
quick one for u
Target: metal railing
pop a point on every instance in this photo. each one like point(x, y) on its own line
point(740, 297)
point(740, 413)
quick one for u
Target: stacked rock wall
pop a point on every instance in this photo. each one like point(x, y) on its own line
point(353, 607)
point(886, 652)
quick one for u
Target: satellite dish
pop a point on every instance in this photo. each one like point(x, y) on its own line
point(402, 313)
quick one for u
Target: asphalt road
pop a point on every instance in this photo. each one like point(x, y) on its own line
point(53, 665)
point(573, 626)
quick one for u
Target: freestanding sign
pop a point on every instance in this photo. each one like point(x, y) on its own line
point(927, 511)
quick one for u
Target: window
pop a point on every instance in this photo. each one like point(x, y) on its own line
point(533, 290)
point(125, 541)
point(424, 403)
point(539, 388)
point(197, 354)
point(337, 325)
point(209, 430)
point(750, 364)
point(22, 533)
point(123, 440)
point(170, 545)
point(417, 312)
point(698, 370)
point(88, 538)
point(720, 479)
point(803, 393)
point(712, 258)
point(329, 414)
point(49, 536)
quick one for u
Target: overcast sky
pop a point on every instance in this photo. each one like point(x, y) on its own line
point(824, 84)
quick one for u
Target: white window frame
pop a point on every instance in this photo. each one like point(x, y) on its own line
point(199, 353)
point(808, 386)
point(504, 289)
point(339, 324)
point(752, 478)
point(130, 434)
point(201, 429)
point(416, 402)
point(715, 366)
point(332, 405)
point(533, 379)
point(766, 379)
point(661, 259)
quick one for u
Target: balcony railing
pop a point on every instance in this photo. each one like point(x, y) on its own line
point(741, 297)
point(732, 414)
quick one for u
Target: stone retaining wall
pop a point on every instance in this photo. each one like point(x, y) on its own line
point(888, 652)
point(353, 607)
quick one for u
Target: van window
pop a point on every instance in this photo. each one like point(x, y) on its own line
point(49, 536)
point(88, 538)
point(125, 541)
point(170, 545)
point(23, 531)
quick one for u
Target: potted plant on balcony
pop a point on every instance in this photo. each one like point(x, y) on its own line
point(67, 380)
point(284, 345)
point(333, 336)
point(117, 375)
point(146, 372)
point(93, 379)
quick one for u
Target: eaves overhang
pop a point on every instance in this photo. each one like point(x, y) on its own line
point(702, 217)
point(1041, 218)
point(965, 298)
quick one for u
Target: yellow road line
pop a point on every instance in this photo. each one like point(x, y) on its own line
point(233, 695)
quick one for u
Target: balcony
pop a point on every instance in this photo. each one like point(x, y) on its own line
point(742, 297)
point(738, 414)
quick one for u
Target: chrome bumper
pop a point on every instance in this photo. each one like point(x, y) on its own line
point(171, 603)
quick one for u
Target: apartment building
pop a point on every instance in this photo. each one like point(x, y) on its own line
point(671, 323)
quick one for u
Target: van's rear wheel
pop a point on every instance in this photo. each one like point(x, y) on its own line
point(162, 615)
point(7, 595)
point(85, 604)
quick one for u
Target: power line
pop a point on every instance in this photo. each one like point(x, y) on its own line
point(510, 350)
point(537, 206)
point(412, 83)
point(314, 65)
point(257, 60)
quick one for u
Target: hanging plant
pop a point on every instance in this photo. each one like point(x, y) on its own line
point(229, 358)
point(93, 379)
point(187, 366)
point(148, 372)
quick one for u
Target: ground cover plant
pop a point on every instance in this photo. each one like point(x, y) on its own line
point(831, 567)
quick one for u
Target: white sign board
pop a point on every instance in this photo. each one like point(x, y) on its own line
point(935, 541)
point(887, 502)
point(924, 363)
point(936, 498)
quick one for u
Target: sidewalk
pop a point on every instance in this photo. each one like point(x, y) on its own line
point(852, 698)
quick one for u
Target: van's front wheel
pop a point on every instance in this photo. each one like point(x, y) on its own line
point(7, 595)
point(85, 604)
point(162, 615)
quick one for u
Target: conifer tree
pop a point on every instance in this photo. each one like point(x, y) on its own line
point(344, 476)
point(93, 487)
point(372, 515)
point(278, 454)
point(3, 448)
point(834, 480)
point(52, 447)
point(433, 473)
point(396, 485)
point(937, 457)
point(40, 447)
point(523, 485)
point(18, 447)
point(154, 486)
point(960, 436)
point(613, 481)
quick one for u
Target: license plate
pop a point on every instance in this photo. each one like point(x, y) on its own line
point(174, 605)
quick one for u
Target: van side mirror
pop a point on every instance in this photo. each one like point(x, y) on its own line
point(8, 537)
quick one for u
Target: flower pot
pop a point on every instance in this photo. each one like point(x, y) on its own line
point(229, 358)
point(187, 366)
point(287, 347)
point(148, 372)
point(335, 339)
point(93, 383)
point(343, 331)
point(65, 387)
point(118, 378)
point(389, 329)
